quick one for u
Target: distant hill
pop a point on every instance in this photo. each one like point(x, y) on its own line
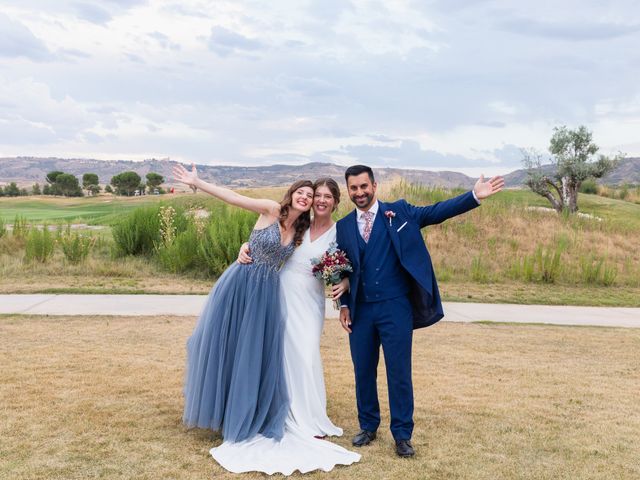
point(28, 170)
point(627, 172)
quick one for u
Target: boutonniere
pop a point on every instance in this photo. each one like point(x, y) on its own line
point(390, 214)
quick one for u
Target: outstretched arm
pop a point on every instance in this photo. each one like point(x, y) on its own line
point(262, 206)
point(441, 211)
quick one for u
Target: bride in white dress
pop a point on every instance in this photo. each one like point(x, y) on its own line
point(302, 447)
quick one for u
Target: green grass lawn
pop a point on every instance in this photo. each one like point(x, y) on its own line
point(105, 209)
point(101, 210)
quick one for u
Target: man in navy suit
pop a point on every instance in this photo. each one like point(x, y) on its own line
point(393, 291)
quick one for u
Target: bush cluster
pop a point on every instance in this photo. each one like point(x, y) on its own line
point(185, 239)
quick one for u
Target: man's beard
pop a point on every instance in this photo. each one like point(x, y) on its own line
point(366, 201)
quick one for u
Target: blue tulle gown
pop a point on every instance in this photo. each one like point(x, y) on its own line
point(235, 381)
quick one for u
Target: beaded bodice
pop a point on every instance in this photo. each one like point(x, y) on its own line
point(266, 249)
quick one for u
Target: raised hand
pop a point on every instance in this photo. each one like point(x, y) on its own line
point(185, 176)
point(484, 189)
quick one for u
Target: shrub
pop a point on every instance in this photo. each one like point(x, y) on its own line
point(624, 192)
point(227, 231)
point(62, 229)
point(181, 254)
point(137, 233)
point(3, 228)
point(12, 190)
point(589, 186)
point(75, 246)
point(20, 228)
point(141, 231)
point(39, 246)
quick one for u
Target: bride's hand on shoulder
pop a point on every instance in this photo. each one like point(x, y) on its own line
point(243, 255)
point(339, 288)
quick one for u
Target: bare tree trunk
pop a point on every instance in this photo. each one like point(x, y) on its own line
point(569, 195)
point(566, 195)
point(557, 206)
point(573, 201)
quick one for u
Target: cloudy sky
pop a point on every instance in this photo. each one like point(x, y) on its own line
point(444, 84)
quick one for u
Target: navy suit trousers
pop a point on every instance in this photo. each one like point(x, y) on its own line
point(388, 323)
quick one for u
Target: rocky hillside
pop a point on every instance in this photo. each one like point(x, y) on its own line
point(28, 170)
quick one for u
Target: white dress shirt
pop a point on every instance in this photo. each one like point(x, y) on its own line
point(360, 217)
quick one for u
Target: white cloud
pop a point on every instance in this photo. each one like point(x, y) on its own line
point(16, 40)
point(459, 84)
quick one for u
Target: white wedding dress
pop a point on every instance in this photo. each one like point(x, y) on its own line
point(303, 297)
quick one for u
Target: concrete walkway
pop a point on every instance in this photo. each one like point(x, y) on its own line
point(190, 305)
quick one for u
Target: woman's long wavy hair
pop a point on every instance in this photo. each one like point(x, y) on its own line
point(304, 220)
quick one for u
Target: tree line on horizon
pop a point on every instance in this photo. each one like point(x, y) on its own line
point(68, 185)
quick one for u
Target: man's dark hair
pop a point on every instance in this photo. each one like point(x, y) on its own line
point(356, 170)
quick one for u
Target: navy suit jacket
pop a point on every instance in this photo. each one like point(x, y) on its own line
point(409, 245)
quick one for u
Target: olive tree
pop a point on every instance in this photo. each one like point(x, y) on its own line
point(575, 160)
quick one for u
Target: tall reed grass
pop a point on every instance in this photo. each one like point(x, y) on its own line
point(39, 245)
point(20, 227)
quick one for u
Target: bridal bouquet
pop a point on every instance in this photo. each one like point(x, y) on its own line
point(331, 267)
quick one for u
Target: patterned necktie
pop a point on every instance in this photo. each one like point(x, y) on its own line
point(366, 233)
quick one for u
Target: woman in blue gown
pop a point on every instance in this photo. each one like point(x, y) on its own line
point(234, 380)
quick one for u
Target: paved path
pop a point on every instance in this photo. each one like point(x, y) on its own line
point(190, 305)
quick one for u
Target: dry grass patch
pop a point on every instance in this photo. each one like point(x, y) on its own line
point(101, 398)
point(539, 294)
point(91, 284)
point(96, 275)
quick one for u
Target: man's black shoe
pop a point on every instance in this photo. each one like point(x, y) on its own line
point(404, 448)
point(364, 437)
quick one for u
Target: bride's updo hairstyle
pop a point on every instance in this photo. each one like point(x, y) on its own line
point(333, 187)
point(304, 220)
